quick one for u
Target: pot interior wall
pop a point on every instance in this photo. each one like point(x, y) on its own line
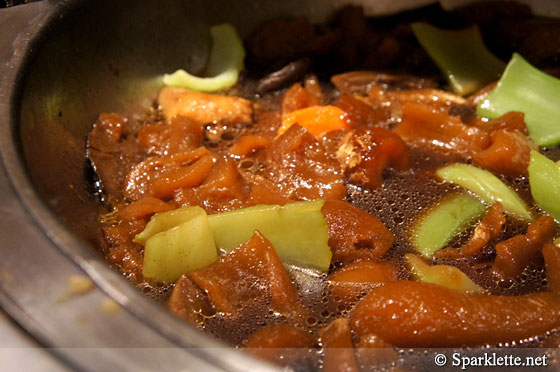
point(108, 56)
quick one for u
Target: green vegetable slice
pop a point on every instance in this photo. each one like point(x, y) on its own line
point(298, 231)
point(544, 179)
point(487, 186)
point(439, 225)
point(524, 88)
point(164, 221)
point(186, 247)
point(444, 275)
point(224, 64)
point(461, 55)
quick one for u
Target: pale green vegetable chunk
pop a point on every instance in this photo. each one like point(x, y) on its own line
point(529, 90)
point(444, 275)
point(461, 55)
point(486, 186)
point(224, 64)
point(544, 179)
point(436, 227)
point(298, 231)
point(186, 247)
point(167, 220)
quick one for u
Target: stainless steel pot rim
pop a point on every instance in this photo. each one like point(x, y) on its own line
point(107, 279)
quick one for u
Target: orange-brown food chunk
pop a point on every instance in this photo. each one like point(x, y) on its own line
point(299, 97)
point(265, 192)
point(360, 113)
point(248, 144)
point(189, 302)
point(317, 120)
point(509, 153)
point(414, 314)
point(361, 82)
point(365, 152)
point(511, 121)
point(112, 151)
point(121, 251)
point(216, 108)
point(372, 350)
point(355, 234)
point(339, 351)
point(160, 176)
point(144, 207)
point(296, 98)
point(351, 280)
point(551, 254)
point(169, 180)
point(298, 164)
point(490, 226)
point(279, 343)
point(435, 99)
point(250, 275)
point(112, 124)
point(182, 134)
point(515, 254)
point(438, 131)
point(223, 189)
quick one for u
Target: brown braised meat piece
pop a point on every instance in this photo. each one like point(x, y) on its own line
point(415, 314)
point(365, 152)
point(180, 135)
point(361, 112)
point(361, 82)
point(160, 176)
point(189, 302)
point(223, 189)
point(437, 131)
point(143, 208)
point(121, 251)
point(354, 234)
point(112, 151)
point(217, 108)
point(508, 154)
point(336, 339)
point(551, 254)
point(349, 282)
point(372, 350)
point(515, 254)
point(249, 144)
point(490, 226)
point(298, 164)
point(250, 275)
point(121, 227)
point(298, 96)
point(279, 343)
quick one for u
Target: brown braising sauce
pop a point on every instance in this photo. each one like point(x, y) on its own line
point(377, 177)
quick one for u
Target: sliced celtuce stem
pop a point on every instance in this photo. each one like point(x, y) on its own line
point(486, 186)
point(183, 248)
point(439, 225)
point(186, 239)
point(167, 220)
point(224, 64)
point(544, 179)
point(461, 55)
point(445, 275)
point(529, 90)
point(298, 231)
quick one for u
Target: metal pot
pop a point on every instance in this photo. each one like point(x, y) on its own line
point(61, 64)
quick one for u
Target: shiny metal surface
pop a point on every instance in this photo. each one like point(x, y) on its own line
point(39, 251)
